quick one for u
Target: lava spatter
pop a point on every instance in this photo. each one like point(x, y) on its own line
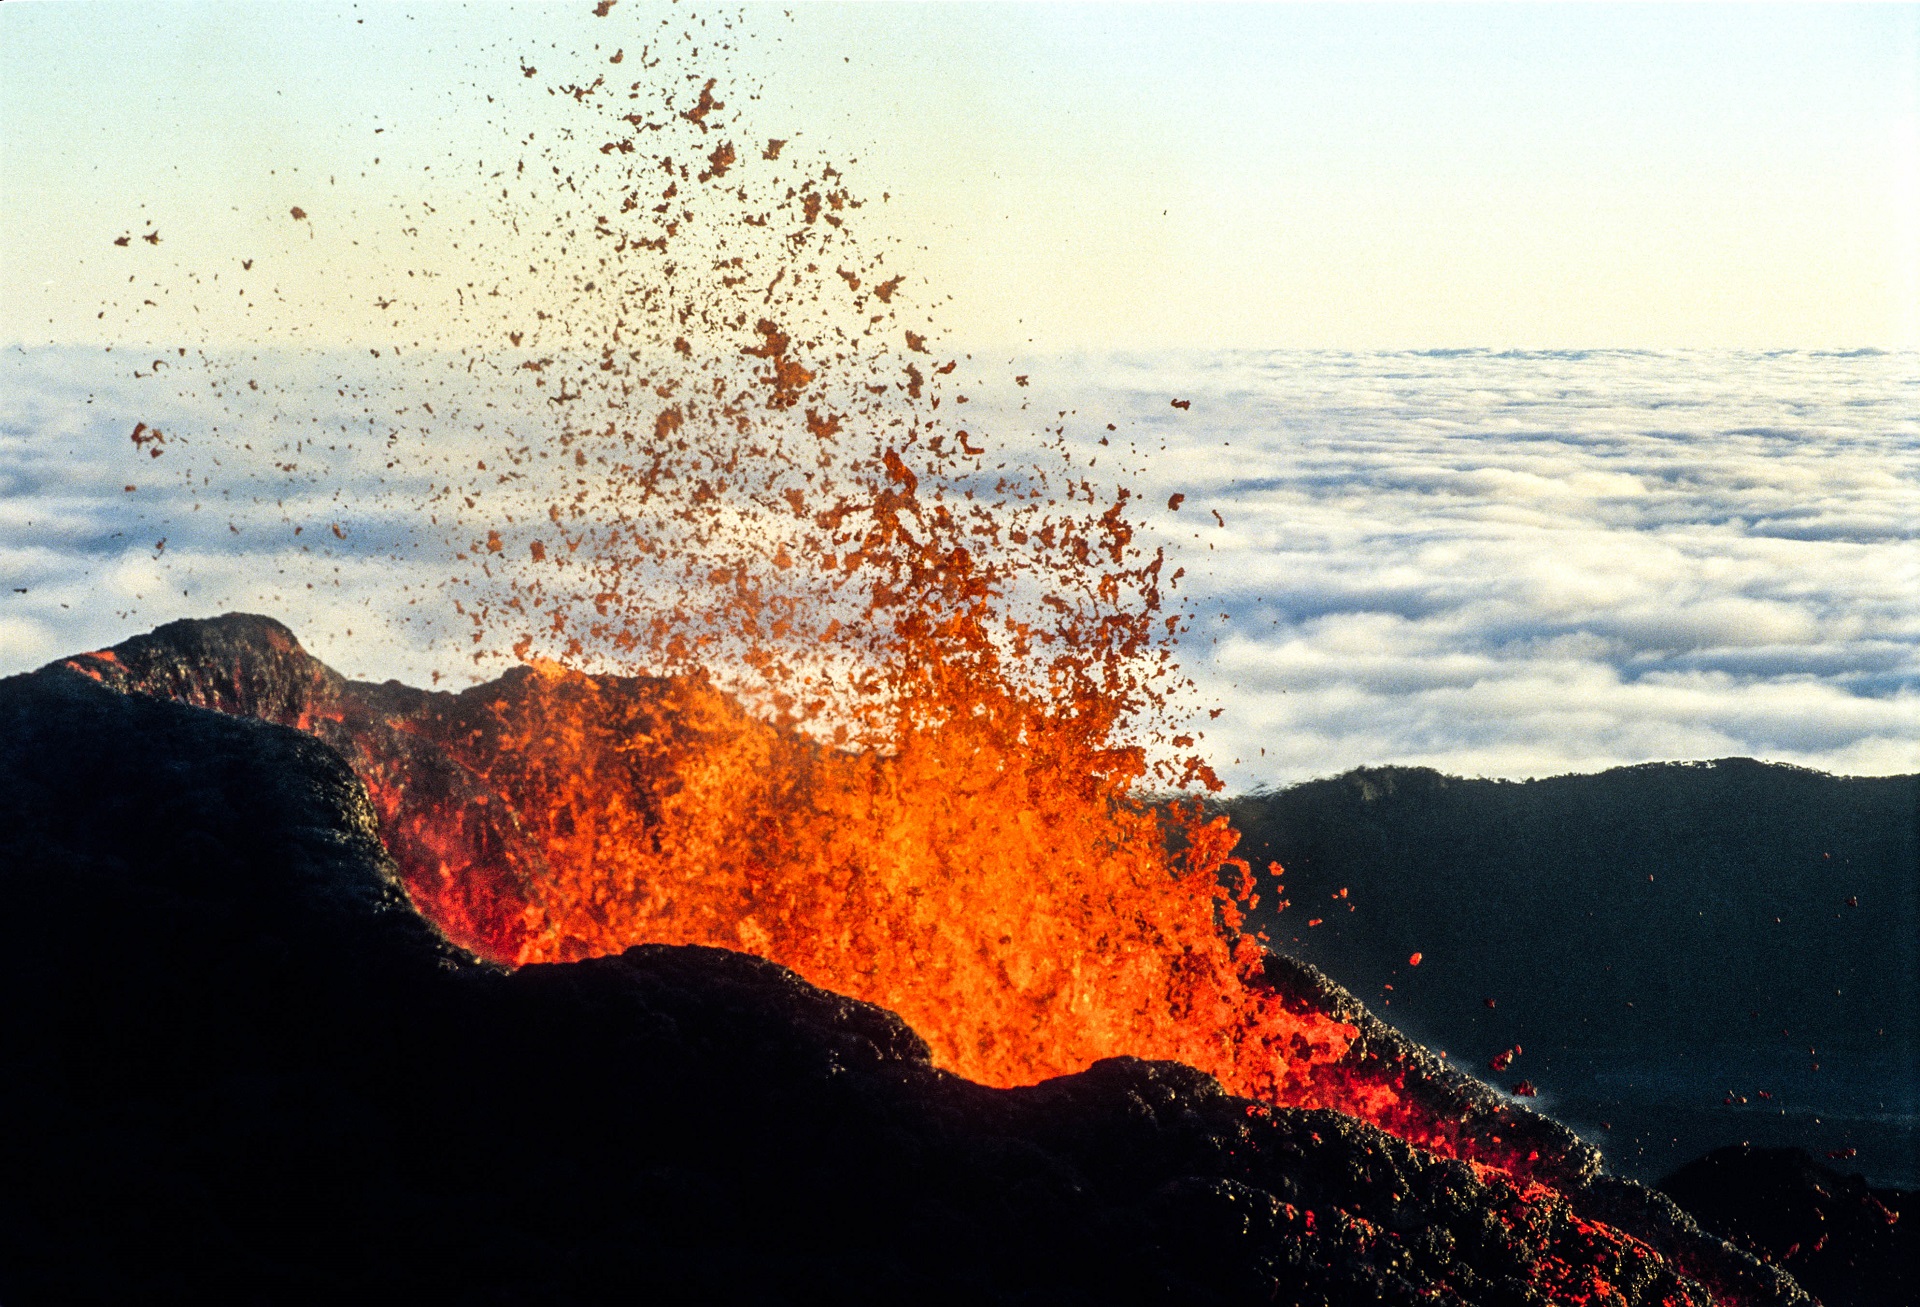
point(921, 683)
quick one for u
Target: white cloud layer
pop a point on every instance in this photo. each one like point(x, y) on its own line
point(1525, 564)
point(1509, 565)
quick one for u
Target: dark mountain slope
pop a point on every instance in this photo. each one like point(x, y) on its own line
point(240, 1069)
point(1663, 941)
point(1852, 1245)
point(461, 787)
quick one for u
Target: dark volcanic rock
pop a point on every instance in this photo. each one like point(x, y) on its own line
point(239, 1068)
point(459, 804)
point(1691, 954)
point(1846, 1242)
point(468, 788)
point(1435, 1091)
point(462, 852)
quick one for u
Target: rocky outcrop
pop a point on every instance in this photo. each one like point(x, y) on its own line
point(450, 779)
point(1442, 1102)
point(1844, 1240)
point(461, 851)
point(1690, 954)
point(242, 1068)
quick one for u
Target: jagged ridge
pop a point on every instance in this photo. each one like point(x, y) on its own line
point(245, 1063)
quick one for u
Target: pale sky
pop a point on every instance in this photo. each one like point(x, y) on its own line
point(1077, 176)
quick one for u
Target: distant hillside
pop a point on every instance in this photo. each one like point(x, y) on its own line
point(1667, 936)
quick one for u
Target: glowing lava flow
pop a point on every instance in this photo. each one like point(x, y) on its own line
point(954, 663)
point(999, 889)
point(1029, 921)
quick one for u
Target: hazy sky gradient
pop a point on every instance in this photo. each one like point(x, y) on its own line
point(1079, 175)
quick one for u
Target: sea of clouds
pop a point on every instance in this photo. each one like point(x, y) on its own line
point(1499, 564)
point(1526, 564)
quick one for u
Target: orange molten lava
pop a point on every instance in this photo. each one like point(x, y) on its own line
point(743, 474)
point(955, 660)
point(868, 676)
point(1000, 889)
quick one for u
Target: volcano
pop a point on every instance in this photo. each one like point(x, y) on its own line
point(267, 1045)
